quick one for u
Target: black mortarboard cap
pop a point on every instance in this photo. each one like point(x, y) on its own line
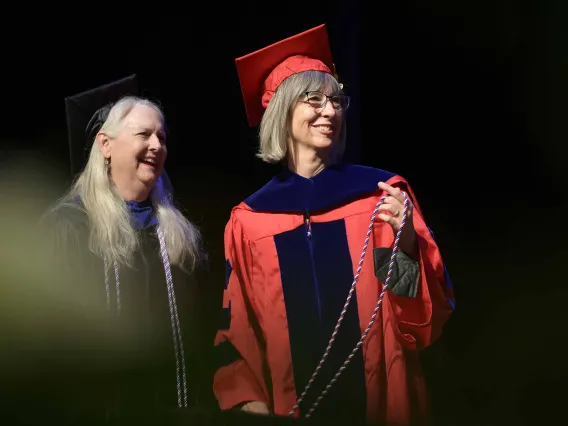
point(86, 113)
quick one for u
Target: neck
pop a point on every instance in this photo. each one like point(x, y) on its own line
point(306, 163)
point(130, 193)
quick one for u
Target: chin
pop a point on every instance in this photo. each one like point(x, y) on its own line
point(323, 144)
point(148, 178)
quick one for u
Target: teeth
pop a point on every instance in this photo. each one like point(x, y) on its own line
point(323, 127)
point(149, 161)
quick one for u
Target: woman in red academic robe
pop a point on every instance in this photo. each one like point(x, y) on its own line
point(295, 247)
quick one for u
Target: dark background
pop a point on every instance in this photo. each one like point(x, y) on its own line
point(465, 99)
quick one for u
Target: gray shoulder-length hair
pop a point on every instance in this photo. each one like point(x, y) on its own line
point(275, 125)
point(112, 235)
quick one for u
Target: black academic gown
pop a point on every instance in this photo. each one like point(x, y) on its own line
point(113, 354)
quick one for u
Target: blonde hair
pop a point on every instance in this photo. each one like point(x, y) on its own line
point(112, 235)
point(275, 125)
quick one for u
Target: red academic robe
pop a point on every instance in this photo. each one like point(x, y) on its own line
point(285, 290)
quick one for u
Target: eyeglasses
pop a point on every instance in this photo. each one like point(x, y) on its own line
point(318, 100)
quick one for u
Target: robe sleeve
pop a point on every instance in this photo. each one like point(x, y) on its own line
point(420, 319)
point(65, 233)
point(238, 346)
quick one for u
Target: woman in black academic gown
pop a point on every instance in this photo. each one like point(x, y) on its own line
point(131, 264)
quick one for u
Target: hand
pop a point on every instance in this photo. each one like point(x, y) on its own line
point(255, 407)
point(394, 204)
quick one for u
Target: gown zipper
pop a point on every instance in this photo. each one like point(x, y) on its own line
point(309, 238)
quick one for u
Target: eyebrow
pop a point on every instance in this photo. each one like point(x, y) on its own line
point(333, 92)
point(161, 132)
point(145, 129)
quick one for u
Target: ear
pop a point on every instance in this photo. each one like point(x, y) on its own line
point(103, 141)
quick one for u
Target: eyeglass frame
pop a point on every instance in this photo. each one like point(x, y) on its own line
point(327, 98)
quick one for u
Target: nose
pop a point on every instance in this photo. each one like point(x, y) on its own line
point(155, 143)
point(328, 110)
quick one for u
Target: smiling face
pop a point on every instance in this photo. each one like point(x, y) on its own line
point(137, 151)
point(296, 127)
point(315, 128)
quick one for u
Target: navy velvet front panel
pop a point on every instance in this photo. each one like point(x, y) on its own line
point(316, 275)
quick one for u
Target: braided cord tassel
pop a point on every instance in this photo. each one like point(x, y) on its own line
point(107, 285)
point(342, 315)
point(107, 282)
point(176, 328)
point(117, 280)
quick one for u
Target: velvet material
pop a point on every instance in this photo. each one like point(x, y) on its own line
point(132, 366)
point(313, 303)
point(334, 186)
point(142, 214)
point(290, 278)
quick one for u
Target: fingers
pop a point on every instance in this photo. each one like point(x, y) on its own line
point(394, 209)
point(390, 213)
point(389, 219)
point(256, 407)
point(394, 192)
point(394, 201)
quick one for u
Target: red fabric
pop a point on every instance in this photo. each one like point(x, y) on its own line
point(259, 330)
point(260, 71)
point(290, 66)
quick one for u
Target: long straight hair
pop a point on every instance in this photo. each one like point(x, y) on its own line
point(111, 232)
